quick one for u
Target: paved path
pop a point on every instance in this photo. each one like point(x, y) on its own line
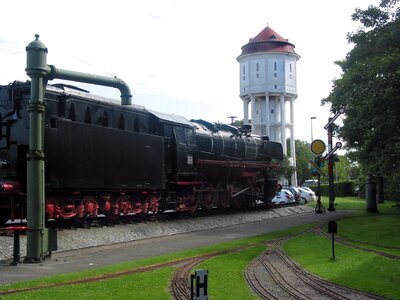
point(82, 259)
point(101, 236)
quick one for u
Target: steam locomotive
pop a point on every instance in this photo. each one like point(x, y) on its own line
point(102, 158)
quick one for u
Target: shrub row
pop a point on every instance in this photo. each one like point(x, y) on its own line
point(348, 188)
point(342, 189)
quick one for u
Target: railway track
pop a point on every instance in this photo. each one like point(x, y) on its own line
point(274, 275)
point(180, 284)
point(351, 244)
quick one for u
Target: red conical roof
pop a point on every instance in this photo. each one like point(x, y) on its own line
point(268, 41)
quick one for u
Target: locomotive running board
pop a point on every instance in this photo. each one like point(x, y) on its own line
point(237, 164)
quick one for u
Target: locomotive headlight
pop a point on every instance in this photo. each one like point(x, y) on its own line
point(6, 187)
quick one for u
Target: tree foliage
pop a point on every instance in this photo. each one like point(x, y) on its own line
point(369, 90)
point(303, 155)
point(286, 169)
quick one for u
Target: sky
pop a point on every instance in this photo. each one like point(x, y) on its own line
point(179, 56)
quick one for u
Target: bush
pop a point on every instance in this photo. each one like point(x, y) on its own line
point(342, 189)
point(391, 187)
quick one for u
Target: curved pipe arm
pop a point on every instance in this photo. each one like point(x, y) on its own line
point(126, 95)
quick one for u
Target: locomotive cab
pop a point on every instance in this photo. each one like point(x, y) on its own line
point(180, 145)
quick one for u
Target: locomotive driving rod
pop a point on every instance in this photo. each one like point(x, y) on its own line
point(39, 72)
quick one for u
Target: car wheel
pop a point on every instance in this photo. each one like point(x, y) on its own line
point(303, 200)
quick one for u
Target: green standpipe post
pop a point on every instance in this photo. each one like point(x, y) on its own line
point(37, 70)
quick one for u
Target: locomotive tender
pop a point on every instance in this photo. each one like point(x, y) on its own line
point(102, 158)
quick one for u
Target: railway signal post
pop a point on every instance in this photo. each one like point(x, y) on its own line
point(330, 158)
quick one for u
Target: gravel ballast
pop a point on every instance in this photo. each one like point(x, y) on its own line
point(100, 236)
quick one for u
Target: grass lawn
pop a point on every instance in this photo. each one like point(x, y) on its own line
point(358, 205)
point(149, 285)
point(226, 274)
point(373, 229)
point(352, 268)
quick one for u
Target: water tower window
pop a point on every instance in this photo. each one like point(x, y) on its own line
point(257, 70)
point(290, 68)
point(275, 66)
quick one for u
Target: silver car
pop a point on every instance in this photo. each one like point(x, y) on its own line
point(306, 194)
point(284, 196)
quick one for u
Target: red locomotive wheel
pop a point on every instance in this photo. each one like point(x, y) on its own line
point(238, 202)
point(154, 204)
point(223, 196)
point(191, 203)
point(112, 215)
point(223, 200)
point(91, 207)
point(208, 199)
point(123, 204)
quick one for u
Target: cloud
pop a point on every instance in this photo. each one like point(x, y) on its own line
point(12, 48)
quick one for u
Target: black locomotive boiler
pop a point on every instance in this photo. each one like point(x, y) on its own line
point(102, 158)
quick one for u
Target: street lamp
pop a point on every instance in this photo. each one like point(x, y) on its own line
point(312, 138)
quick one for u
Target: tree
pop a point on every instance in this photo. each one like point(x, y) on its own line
point(369, 90)
point(237, 123)
point(286, 169)
point(303, 155)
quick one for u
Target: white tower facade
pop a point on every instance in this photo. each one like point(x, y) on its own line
point(268, 84)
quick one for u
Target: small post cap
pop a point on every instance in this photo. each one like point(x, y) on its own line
point(37, 44)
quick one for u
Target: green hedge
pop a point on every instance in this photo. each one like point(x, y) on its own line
point(347, 188)
point(342, 189)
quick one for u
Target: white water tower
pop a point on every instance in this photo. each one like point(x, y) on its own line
point(268, 84)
